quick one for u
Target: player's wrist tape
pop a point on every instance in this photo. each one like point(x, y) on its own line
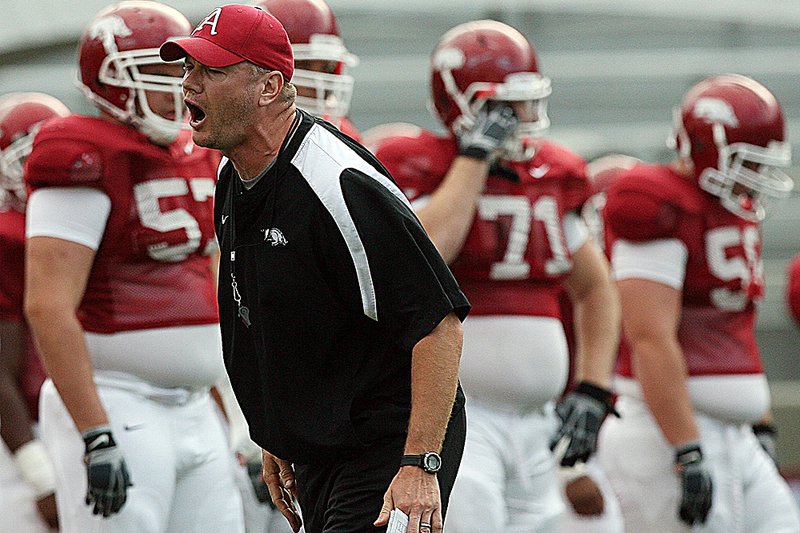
point(475, 151)
point(97, 438)
point(600, 394)
point(688, 453)
point(769, 429)
point(36, 467)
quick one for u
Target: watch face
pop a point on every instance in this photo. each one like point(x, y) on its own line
point(432, 462)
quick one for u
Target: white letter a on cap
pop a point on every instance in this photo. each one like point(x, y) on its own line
point(210, 20)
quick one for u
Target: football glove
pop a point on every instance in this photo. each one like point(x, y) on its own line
point(696, 484)
point(766, 434)
point(582, 412)
point(491, 129)
point(106, 472)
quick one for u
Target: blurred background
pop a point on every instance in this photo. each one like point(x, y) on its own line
point(618, 67)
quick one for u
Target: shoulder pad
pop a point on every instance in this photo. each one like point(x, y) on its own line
point(647, 202)
point(416, 159)
point(63, 155)
point(566, 166)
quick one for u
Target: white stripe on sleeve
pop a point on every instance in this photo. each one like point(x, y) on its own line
point(662, 261)
point(76, 214)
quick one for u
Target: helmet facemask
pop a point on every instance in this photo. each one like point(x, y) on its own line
point(328, 93)
point(12, 160)
point(748, 176)
point(121, 69)
point(526, 92)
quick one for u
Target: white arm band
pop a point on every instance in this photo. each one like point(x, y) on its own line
point(662, 261)
point(36, 467)
point(76, 214)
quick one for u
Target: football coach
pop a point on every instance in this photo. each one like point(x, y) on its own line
point(341, 324)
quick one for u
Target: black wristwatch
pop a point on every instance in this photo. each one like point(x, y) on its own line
point(430, 462)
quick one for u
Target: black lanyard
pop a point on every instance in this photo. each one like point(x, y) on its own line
point(242, 311)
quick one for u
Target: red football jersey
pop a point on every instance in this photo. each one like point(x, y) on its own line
point(724, 271)
point(793, 288)
point(152, 267)
point(12, 253)
point(515, 256)
point(12, 278)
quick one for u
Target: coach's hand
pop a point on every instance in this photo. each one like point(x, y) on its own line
point(491, 129)
point(106, 472)
point(696, 484)
point(279, 476)
point(416, 493)
point(582, 412)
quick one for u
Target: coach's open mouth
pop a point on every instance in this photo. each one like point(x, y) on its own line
point(196, 114)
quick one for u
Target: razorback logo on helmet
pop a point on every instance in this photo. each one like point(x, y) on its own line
point(107, 29)
point(716, 110)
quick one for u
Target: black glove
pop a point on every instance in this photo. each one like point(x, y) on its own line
point(106, 472)
point(582, 411)
point(696, 484)
point(766, 434)
point(491, 129)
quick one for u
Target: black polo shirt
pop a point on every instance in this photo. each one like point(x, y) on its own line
point(340, 281)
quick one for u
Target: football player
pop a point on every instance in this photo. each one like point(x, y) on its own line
point(501, 205)
point(27, 479)
point(686, 252)
point(323, 87)
point(120, 294)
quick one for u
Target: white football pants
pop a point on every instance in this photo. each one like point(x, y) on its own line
point(177, 456)
point(749, 494)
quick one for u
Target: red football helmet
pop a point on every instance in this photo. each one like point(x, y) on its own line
point(122, 38)
point(21, 114)
point(486, 60)
point(319, 54)
point(730, 129)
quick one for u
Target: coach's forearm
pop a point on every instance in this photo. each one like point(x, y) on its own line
point(434, 377)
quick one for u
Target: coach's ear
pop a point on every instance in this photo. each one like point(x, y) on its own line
point(271, 87)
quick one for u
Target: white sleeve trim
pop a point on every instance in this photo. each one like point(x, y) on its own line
point(662, 261)
point(75, 214)
point(575, 231)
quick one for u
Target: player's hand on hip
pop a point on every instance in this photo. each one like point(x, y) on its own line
point(492, 128)
point(106, 471)
point(416, 493)
point(696, 484)
point(581, 413)
point(278, 474)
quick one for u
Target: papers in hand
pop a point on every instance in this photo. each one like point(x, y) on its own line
point(398, 522)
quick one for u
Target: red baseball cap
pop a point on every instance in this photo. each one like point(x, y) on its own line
point(232, 34)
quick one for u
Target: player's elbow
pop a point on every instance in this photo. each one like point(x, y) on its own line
point(40, 310)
